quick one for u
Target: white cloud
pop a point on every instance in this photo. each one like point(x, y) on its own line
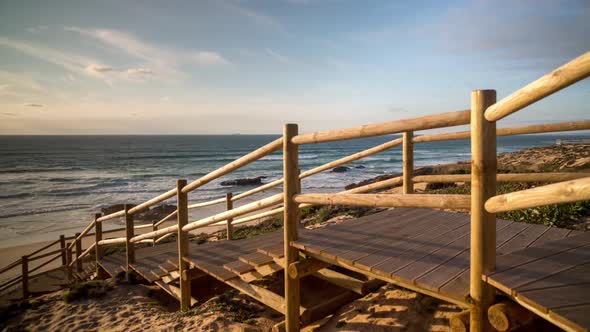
point(33, 105)
point(139, 71)
point(162, 60)
point(37, 29)
point(277, 56)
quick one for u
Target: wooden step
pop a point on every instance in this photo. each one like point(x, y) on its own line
point(274, 251)
point(239, 267)
point(256, 259)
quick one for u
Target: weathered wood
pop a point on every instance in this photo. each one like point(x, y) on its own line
point(562, 192)
point(388, 200)
point(68, 265)
point(240, 162)
point(408, 163)
point(508, 316)
point(117, 240)
point(291, 218)
point(183, 245)
point(483, 223)
point(460, 322)
point(377, 185)
point(511, 177)
point(166, 218)
point(86, 230)
point(62, 246)
point(97, 238)
point(448, 119)
point(229, 205)
point(78, 243)
point(520, 130)
point(353, 284)
point(305, 267)
point(562, 77)
point(208, 203)
point(25, 276)
point(129, 247)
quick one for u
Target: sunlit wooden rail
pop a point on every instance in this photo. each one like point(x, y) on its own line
point(295, 250)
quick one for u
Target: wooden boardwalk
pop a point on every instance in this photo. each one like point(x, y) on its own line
point(424, 250)
point(553, 280)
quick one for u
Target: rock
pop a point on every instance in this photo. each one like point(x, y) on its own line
point(359, 167)
point(244, 181)
point(340, 169)
point(156, 213)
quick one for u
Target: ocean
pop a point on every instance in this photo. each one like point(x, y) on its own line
point(51, 185)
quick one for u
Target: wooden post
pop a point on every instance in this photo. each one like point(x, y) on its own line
point(130, 249)
point(154, 228)
point(408, 162)
point(230, 205)
point(97, 238)
point(25, 275)
point(68, 262)
point(483, 224)
point(183, 245)
point(62, 245)
point(78, 253)
point(291, 220)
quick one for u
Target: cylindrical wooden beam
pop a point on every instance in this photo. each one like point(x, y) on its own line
point(107, 242)
point(241, 210)
point(113, 215)
point(208, 203)
point(520, 130)
point(560, 78)
point(509, 177)
point(483, 223)
point(138, 208)
point(68, 263)
point(377, 185)
point(291, 218)
point(441, 120)
point(508, 316)
point(62, 245)
point(388, 200)
point(408, 162)
point(240, 162)
point(78, 242)
point(229, 206)
point(25, 276)
point(183, 245)
point(459, 322)
point(97, 239)
point(306, 267)
point(556, 193)
point(166, 218)
point(129, 247)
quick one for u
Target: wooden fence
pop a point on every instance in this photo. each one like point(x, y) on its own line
point(482, 202)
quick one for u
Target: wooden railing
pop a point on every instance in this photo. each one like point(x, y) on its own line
point(482, 202)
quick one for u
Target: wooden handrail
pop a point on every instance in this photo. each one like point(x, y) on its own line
point(83, 233)
point(166, 218)
point(561, 192)
point(117, 240)
point(45, 263)
point(34, 258)
point(10, 282)
point(10, 266)
point(240, 162)
point(562, 77)
point(49, 245)
point(448, 119)
point(509, 177)
point(84, 253)
point(521, 130)
point(326, 166)
point(207, 203)
point(388, 200)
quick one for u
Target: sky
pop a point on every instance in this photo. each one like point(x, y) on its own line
point(231, 66)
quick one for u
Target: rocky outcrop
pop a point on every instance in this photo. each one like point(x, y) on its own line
point(340, 169)
point(244, 181)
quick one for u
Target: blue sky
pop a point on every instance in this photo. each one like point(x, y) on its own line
point(215, 67)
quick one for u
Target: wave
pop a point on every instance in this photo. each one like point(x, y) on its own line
point(39, 170)
point(21, 195)
point(45, 210)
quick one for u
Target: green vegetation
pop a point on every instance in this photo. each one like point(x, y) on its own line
point(555, 215)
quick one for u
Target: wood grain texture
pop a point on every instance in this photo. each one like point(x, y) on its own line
point(388, 200)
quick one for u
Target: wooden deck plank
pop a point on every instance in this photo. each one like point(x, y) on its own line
point(557, 297)
point(577, 314)
point(452, 269)
point(256, 259)
point(530, 272)
point(274, 251)
point(576, 275)
point(239, 267)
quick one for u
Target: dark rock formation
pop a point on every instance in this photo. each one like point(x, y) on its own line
point(244, 181)
point(340, 169)
point(359, 167)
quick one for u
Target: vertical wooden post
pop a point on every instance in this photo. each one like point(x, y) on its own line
point(69, 262)
point(62, 246)
point(183, 246)
point(483, 224)
point(408, 162)
point(230, 205)
point(154, 228)
point(129, 233)
point(97, 238)
point(78, 253)
point(291, 222)
point(25, 275)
